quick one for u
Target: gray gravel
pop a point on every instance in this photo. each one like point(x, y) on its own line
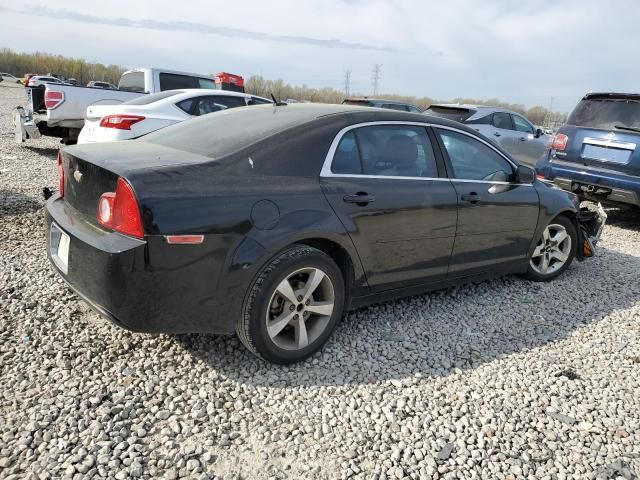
point(505, 379)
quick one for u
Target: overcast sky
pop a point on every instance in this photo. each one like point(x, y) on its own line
point(519, 51)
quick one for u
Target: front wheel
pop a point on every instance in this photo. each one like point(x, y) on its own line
point(554, 251)
point(292, 306)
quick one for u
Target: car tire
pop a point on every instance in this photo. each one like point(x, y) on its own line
point(554, 251)
point(292, 306)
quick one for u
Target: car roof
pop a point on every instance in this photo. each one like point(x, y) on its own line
point(376, 100)
point(615, 95)
point(249, 124)
point(479, 110)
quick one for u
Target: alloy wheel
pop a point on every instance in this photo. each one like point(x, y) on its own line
point(552, 251)
point(300, 308)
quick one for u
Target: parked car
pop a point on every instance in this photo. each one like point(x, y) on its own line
point(8, 79)
point(596, 154)
point(273, 221)
point(100, 84)
point(381, 103)
point(510, 130)
point(43, 80)
point(142, 115)
point(66, 105)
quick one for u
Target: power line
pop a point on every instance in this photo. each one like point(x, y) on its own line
point(375, 77)
point(347, 83)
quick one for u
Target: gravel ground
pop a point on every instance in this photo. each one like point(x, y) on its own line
point(505, 379)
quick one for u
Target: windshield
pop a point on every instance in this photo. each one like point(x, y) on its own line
point(450, 113)
point(606, 113)
point(147, 99)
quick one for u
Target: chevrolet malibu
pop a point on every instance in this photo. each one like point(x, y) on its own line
point(272, 221)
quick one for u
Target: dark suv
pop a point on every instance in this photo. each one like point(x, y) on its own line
point(381, 103)
point(595, 153)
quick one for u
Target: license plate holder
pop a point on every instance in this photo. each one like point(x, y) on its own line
point(59, 243)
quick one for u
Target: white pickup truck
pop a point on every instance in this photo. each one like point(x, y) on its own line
point(59, 110)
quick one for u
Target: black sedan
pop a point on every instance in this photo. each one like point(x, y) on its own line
point(272, 221)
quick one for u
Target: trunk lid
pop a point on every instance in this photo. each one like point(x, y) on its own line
point(601, 133)
point(93, 169)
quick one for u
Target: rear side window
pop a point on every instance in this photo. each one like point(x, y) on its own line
point(386, 150)
point(521, 125)
point(132, 82)
point(473, 160)
point(455, 114)
point(210, 103)
point(502, 120)
point(606, 113)
point(172, 81)
point(259, 101)
point(486, 120)
point(154, 97)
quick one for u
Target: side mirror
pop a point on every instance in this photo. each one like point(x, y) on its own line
point(539, 133)
point(525, 174)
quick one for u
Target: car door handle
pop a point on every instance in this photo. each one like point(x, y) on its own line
point(523, 139)
point(497, 134)
point(472, 197)
point(360, 198)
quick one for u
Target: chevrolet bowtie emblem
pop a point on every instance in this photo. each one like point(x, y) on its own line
point(77, 175)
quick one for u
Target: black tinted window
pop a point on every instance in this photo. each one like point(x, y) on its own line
point(455, 114)
point(473, 160)
point(154, 97)
point(172, 81)
point(502, 120)
point(606, 113)
point(521, 125)
point(386, 150)
point(132, 82)
point(347, 157)
point(210, 103)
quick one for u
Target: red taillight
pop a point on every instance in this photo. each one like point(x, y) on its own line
point(53, 99)
point(540, 176)
point(559, 142)
point(121, 122)
point(60, 175)
point(119, 210)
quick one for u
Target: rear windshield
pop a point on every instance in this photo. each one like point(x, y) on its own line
point(455, 114)
point(227, 131)
point(171, 81)
point(147, 99)
point(132, 82)
point(606, 113)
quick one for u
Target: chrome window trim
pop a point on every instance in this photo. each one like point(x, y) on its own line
point(326, 166)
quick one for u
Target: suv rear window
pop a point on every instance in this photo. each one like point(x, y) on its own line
point(606, 113)
point(132, 82)
point(172, 81)
point(450, 113)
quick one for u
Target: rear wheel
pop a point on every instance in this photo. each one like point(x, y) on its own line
point(554, 251)
point(292, 305)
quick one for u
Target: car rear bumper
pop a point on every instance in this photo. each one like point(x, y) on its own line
point(135, 283)
point(596, 185)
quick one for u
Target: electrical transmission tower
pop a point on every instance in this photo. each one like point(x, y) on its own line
point(375, 78)
point(347, 83)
